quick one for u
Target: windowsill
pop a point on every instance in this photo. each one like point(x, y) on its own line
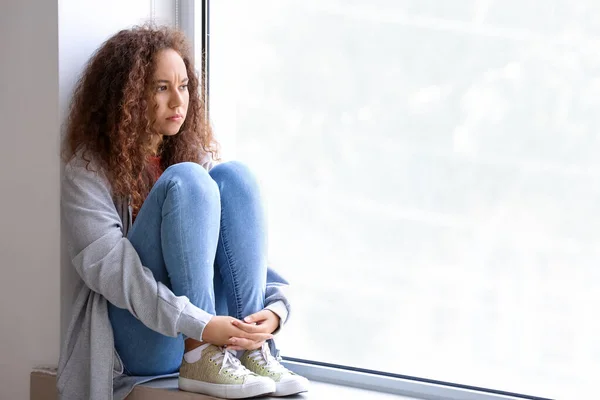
point(43, 387)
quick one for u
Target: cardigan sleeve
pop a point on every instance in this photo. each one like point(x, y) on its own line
point(109, 264)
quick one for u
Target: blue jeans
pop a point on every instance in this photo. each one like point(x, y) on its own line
point(203, 235)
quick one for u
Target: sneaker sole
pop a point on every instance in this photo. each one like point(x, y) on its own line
point(225, 391)
point(290, 388)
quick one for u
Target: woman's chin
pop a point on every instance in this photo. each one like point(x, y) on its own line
point(170, 132)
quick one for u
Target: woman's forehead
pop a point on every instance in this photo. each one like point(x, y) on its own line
point(169, 65)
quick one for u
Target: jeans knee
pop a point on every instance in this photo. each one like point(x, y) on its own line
point(235, 176)
point(194, 180)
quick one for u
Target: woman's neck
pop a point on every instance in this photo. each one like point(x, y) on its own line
point(155, 145)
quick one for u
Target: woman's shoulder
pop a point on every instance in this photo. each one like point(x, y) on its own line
point(84, 166)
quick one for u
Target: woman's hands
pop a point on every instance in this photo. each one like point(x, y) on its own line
point(266, 319)
point(264, 322)
point(222, 331)
point(240, 335)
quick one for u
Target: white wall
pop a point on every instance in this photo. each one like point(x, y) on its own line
point(43, 46)
point(29, 192)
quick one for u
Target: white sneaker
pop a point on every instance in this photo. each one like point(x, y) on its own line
point(262, 362)
point(215, 371)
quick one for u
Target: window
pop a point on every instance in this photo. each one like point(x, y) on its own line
point(431, 173)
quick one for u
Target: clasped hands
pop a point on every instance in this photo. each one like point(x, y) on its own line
point(236, 334)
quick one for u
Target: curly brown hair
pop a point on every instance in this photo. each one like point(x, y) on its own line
point(108, 120)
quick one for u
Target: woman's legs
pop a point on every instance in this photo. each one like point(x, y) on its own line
point(175, 235)
point(241, 259)
point(198, 234)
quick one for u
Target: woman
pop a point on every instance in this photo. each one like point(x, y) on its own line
point(171, 251)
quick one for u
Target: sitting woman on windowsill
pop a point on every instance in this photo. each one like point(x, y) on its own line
point(170, 250)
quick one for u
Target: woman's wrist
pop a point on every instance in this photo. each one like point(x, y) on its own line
point(280, 310)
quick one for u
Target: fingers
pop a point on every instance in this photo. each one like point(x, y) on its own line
point(257, 345)
point(246, 327)
point(239, 343)
point(250, 337)
point(258, 337)
point(251, 329)
point(256, 317)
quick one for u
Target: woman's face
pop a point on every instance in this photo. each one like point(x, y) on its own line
point(170, 92)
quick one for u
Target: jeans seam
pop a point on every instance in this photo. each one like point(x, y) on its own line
point(230, 262)
point(181, 238)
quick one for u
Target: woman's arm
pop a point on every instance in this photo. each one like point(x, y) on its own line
point(109, 264)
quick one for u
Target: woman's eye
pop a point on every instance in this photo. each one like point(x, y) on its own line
point(161, 88)
point(183, 87)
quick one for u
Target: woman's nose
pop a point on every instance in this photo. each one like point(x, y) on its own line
point(176, 99)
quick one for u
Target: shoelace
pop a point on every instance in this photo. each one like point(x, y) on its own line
point(264, 357)
point(230, 363)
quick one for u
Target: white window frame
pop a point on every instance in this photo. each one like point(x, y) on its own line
point(164, 12)
point(191, 17)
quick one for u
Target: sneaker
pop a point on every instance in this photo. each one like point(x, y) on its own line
point(216, 371)
point(261, 362)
